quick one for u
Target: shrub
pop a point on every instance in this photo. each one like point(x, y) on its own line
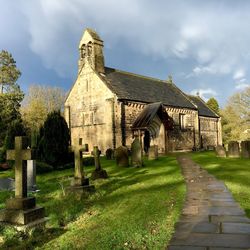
point(54, 142)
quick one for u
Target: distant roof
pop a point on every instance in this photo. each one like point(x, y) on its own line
point(128, 86)
point(203, 109)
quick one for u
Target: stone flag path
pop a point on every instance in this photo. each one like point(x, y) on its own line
point(211, 219)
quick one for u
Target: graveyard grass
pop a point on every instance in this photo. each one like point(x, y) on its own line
point(235, 172)
point(135, 208)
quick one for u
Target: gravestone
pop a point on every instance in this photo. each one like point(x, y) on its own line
point(79, 179)
point(31, 175)
point(121, 156)
point(21, 210)
point(245, 149)
point(109, 154)
point(136, 153)
point(153, 152)
point(7, 184)
point(98, 173)
point(233, 149)
point(220, 151)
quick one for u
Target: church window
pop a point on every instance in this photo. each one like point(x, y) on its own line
point(83, 51)
point(88, 119)
point(87, 86)
point(182, 121)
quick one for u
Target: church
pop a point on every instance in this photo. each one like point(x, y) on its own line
point(107, 107)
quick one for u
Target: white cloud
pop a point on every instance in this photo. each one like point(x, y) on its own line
point(205, 94)
point(238, 74)
point(201, 32)
point(241, 86)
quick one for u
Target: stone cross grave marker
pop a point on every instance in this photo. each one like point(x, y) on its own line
point(79, 179)
point(21, 210)
point(136, 153)
point(20, 155)
point(233, 149)
point(98, 173)
point(96, 153)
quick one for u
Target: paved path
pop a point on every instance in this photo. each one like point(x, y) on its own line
point(211, 219)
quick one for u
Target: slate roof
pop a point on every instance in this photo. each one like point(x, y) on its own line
point(147, 115)
point(203, 109)
point(133, 87)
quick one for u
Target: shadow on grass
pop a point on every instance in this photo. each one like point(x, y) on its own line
point(37, 238)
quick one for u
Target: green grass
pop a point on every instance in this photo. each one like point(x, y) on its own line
point(135, 208)
point(235, 172)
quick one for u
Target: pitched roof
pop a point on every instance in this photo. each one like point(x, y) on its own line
point(128, 86)
point(147, 115)
point(203, 109)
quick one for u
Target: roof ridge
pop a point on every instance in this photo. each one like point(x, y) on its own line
point(207, 106)
point(138, 75)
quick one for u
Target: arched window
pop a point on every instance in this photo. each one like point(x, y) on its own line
point(90, 48)
point(83, 51)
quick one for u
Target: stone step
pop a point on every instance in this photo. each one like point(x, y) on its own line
point(22, 217)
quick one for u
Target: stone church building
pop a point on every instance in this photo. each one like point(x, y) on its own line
point(107, 107)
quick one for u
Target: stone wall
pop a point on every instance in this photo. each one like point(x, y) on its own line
point(210, 131)
point(88, 110)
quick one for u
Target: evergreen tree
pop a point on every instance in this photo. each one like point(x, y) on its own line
point(213, 104)
point(10, 94)
point(54, 144)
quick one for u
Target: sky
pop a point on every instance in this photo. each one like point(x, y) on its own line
point(203, 45)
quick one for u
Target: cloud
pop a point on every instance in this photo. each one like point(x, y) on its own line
point(201, 32)
point(241, 86)
point(205, 94)
point(240, 73)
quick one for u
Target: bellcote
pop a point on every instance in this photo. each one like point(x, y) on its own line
point(91, 51)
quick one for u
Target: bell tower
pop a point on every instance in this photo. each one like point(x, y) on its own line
point(91, 51)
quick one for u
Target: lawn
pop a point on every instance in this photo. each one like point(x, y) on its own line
point(135, 208)
point(235, 172)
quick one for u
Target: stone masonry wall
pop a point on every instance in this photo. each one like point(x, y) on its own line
point(88, 110)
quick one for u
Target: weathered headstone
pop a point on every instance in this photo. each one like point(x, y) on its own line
point(31, 175)
point(153, 152)
point(220, 151)
point(21, 210)
point(98, 173)
point(109, 154)
point(233, 149)
point(245, 149)
point(7, 184)
point(121, 156)
point(79, 179)
point(136, 153)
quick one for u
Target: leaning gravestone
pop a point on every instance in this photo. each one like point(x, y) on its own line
point(31, 175)
point(136, 153)
point(153, 152)
point(245, 149)
point(220, 151)
point(21, 210)
point(98, 173)
point(121, 156)
point(233, 149)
